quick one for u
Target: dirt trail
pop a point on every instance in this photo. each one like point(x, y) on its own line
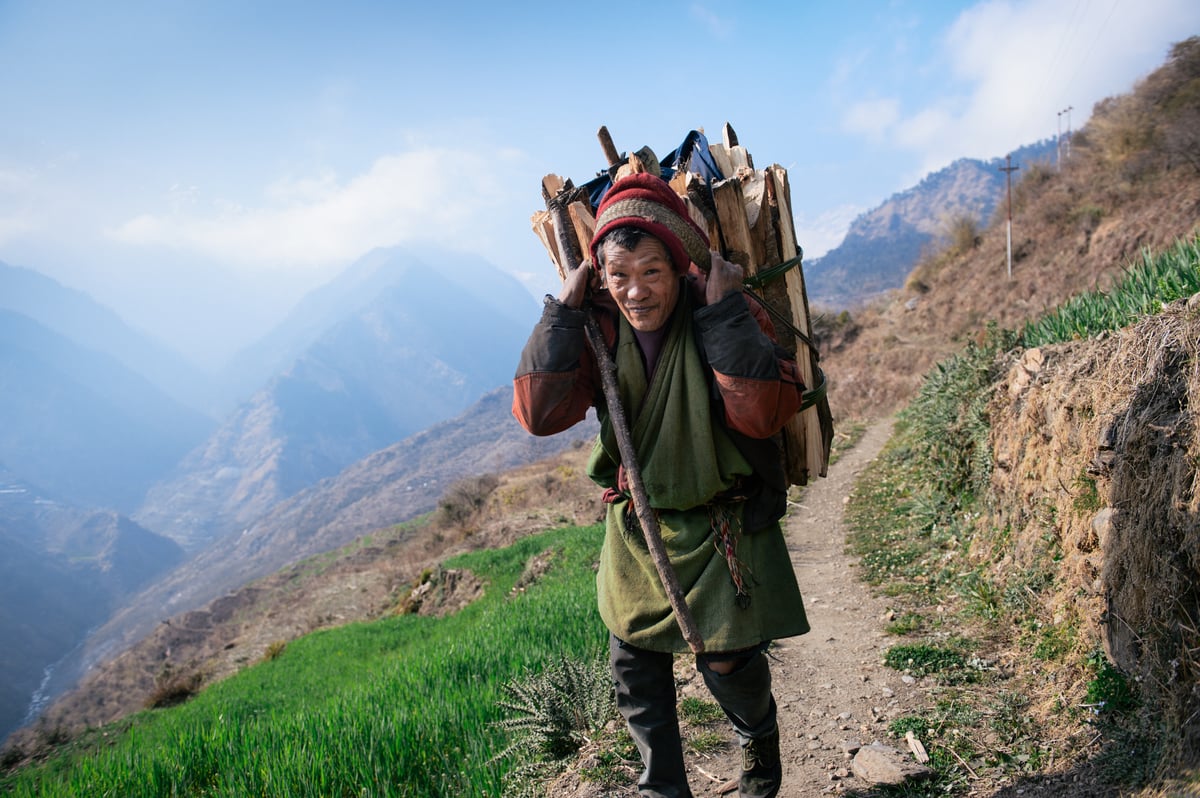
point(830, 684)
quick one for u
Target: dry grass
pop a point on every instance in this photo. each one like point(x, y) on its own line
point(1097, 454)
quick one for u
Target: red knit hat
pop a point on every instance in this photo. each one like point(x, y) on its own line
point(649, 203)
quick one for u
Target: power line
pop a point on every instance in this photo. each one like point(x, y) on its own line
point(1062, 41)
point(1091, 46)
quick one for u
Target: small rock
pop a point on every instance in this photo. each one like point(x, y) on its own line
point(887, 692)
point(850, 747)
point(880, 764)
point(814, 745)
point(907, 679)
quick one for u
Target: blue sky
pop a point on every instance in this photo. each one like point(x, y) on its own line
point(198, 165)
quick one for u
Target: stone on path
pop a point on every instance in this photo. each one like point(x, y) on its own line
point(880, 764)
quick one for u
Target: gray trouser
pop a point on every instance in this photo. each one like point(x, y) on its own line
point(645, 684)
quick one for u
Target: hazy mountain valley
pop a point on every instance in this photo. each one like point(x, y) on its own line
point(392, 347)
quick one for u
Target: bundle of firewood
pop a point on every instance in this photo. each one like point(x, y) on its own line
point(747, 214)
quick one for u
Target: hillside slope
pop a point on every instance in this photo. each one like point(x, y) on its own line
point(371, 576)
point(1132, 182)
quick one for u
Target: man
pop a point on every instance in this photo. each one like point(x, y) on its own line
point(706, 390)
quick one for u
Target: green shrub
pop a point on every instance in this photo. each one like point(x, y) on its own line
point(1109, 690)
point(551, 715)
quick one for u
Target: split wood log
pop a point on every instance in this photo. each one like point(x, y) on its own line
point(811, 432)
point(720, 154)
point(735, 235)
point(611, 156)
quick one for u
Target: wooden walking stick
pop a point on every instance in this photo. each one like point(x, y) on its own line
point(641, 502)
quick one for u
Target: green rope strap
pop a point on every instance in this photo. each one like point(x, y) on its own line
point(757, 281)
point(814, 395)
point(774, 313)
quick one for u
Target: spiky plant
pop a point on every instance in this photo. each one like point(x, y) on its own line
point(552, 715)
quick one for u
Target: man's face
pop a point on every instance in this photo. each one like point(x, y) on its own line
point(642, 282)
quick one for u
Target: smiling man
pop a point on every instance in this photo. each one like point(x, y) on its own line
point(707, 391)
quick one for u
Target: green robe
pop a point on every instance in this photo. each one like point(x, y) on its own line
point(686, 460)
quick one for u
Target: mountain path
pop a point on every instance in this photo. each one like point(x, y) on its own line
point(830, 684)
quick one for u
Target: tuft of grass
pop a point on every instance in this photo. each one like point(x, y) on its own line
point(924, 659)
point(698, 712)
point(906, 623)
point(981, 596)
point(173, 688)
point(1086, 497)
point(616, 762)
point(274, 650)
point(707, 742)
point(1109, 690)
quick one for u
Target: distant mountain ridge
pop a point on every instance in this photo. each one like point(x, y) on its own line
point(360, 285)
point(413, 347)
point(80, 424)
point(76, 316)
point(64, 570)
point(884, 244)
point(391, 349)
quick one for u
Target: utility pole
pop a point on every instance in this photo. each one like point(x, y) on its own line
point(1058, 144)
point(1067, 111)
point(1008, 169)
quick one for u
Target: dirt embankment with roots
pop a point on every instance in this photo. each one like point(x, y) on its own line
point(1097, 455)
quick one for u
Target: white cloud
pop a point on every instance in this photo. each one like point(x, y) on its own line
point(432, 195)
point(1011, 65)
point(15, 225)
point(872, 118)
point(821, 234)
point(16, 218)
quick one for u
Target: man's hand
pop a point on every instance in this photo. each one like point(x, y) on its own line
point(575, 287)
point(724, 278)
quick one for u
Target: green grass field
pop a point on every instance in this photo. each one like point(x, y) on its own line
point(404, 706)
